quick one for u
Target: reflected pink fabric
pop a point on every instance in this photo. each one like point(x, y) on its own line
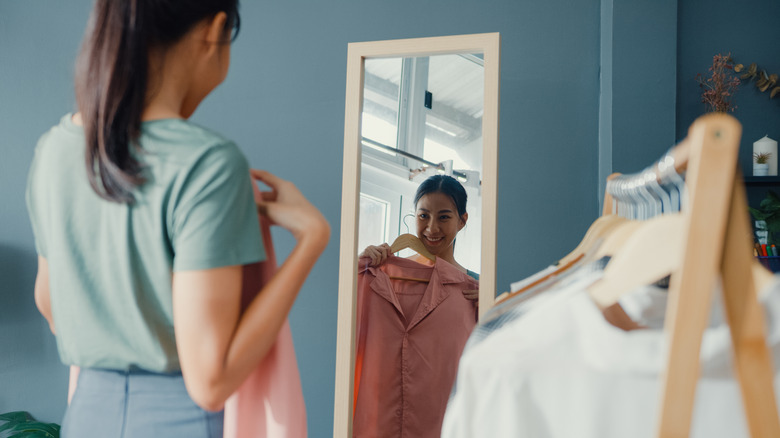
point(270, 402)
point(409, 339)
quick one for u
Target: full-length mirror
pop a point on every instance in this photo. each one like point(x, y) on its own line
point(418, 226)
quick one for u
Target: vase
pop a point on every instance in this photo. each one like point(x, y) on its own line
point(767, 146)
point(760, 169)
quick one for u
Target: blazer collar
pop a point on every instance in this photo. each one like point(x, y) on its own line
point(443, 274)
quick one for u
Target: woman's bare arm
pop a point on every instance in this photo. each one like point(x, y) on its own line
point(218, 348)
point(42, 298)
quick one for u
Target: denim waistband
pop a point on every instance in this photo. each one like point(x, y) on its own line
point(134, 381)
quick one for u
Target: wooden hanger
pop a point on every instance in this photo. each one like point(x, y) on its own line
point(598, 230)
point(596, 234)
point(652, 251)
point(608, 232)
point(649, 254)
point(412, 242)
point(616, 238)
point(561, 269)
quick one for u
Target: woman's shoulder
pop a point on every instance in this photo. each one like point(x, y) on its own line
point(65, 126)
point(190, 146)
point(59, 141)
point(184, 133)
point(174, 139)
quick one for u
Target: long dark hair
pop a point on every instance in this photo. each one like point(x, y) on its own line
point(447, 185)
point(112, 76)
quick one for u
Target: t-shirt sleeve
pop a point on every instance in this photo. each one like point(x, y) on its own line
point(215, 220)
point(32, 198)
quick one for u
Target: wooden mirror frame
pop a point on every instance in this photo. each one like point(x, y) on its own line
point(489, 45)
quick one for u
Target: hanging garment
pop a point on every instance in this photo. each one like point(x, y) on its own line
point(516, 306)
point(270, 401)
point(561, 370)
point(410, 335)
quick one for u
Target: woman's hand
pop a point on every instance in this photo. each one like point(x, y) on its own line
point(471, 295)
point(378, 254)
point(286, 206)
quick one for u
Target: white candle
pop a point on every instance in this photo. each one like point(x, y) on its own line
point(767, 145)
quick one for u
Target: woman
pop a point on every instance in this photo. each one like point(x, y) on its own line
point(140, 251)
point(440, 204)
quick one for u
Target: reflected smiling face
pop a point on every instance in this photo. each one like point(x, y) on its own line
point(438, 224)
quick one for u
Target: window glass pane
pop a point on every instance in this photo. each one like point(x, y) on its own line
point(379, 122)
point(453, 124)
point(373, 222)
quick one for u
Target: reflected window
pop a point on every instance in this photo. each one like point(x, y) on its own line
point(421, 116)
point(374, 221)
point(453, 123)
point(381, 104)
point(429, 107)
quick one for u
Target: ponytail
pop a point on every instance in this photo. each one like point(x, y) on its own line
point(112, 77)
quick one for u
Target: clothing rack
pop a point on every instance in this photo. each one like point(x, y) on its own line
point(438, 166)
point(716, 243)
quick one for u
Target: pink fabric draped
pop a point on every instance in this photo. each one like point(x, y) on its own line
point(270, 401)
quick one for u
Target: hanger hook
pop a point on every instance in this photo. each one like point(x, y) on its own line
point(669, 176)
point(407, 225)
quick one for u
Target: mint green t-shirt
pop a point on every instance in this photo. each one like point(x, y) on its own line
point(111, 264)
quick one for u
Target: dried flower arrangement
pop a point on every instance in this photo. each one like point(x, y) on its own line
point(761, 157)
point(720, 87)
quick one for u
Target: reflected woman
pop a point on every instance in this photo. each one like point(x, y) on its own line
point(413, 320)
point(440, 204)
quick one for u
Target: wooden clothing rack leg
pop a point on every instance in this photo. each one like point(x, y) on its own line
point(745, 315)
point(716, 245)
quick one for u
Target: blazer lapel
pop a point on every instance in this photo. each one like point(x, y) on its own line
point(443, 283)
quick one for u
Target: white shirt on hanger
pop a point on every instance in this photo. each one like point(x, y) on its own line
point(561, 370)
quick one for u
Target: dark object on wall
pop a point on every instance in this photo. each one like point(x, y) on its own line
point(764, 81)
point(21, 424)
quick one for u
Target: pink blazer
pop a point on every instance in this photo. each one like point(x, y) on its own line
point(409, 339)
point(270, 402)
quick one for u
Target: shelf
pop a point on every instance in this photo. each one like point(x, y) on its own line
point(762, 180)
point(772, 263)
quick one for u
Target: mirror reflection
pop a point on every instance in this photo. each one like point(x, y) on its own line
point(419, 238)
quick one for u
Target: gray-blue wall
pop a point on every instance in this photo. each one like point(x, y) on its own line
point(38, 42)
point(750, 32)
point(283, 103)
point(637, 99)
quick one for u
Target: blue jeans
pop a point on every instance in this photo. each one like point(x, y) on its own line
point(136, 404)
